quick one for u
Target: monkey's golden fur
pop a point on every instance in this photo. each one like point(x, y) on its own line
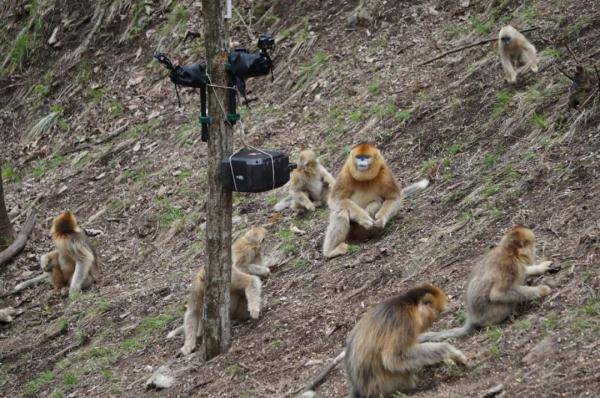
point(497, 284)
point(367, 197)
point(310, 184)
point(516, 52)
point(382, 354)
point(74, 263)
point(245, 288)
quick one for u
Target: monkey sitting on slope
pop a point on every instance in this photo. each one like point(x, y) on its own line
point(497, 284)
point(515, 52)
point(365, 196)
point(245, 288)
point(309, 184)
point(74, 263)
point(383, 355)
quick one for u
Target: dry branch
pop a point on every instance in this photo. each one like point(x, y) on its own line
point(19, 243)
point(318, 380)
point(479, 43)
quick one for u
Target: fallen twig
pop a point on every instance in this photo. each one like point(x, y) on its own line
point(19, 243)
point(479, 43)
point(318, 380)
point(25, 284)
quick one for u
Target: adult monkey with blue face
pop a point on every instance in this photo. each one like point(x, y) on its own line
point(365, 196)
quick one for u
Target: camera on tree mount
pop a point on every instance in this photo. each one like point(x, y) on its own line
point(266, 42)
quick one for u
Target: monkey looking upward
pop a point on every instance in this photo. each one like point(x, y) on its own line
point(515, 52)
point(497, 284)
point(364, 193)
point(382, 354)
point(309, 184)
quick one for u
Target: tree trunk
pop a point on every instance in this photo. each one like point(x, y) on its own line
point(7, 233)
point(216, 323)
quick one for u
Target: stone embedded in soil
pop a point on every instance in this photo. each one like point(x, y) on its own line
point(541, 350)
point(162, 378)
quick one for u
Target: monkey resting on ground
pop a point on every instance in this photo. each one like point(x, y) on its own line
point(365, 194)
point(383, 355)
point(497, 283)
point(74, 263)
point(245, 288)
point(515, 51)
point(309, 184)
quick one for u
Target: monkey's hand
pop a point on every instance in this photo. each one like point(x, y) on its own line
point(456, 356)
point(545, 266)
point(379, 223)
point(544, 290)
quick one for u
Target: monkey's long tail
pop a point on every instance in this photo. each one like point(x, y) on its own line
point(465, 329)
point(414, 188)
point(283, 203)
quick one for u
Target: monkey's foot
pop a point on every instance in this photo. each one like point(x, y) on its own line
point(187, 350)
point(340, 250)
point(460, 359)
point(254, 312)
point(379, 223)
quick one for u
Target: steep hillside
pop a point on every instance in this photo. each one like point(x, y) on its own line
point(90, 123)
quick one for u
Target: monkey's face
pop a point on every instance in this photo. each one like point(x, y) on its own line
point(256, 235)
point(307, 158)
point(505, 40)
point(363, 162)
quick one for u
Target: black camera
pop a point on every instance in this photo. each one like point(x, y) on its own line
point(266, 42)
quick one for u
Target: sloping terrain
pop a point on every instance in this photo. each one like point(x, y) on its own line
point(91, 124)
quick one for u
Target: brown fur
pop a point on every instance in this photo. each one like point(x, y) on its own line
point(310, 184)
point(245, 288)
point(369, 198)
point(497, 284)
point(382, 353)
point(517, 52)
point(73, 251)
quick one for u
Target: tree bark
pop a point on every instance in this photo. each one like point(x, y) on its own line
point(7, 232)
point(216, 323)
point(19, 243)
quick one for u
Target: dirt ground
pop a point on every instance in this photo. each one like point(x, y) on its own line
point(117, 150)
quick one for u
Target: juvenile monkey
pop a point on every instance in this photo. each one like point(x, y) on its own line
point(74, 263)
point(365, 194)
point(245, 288)
point(497, 284)
point(309, 184)
point(515, 52)
point(246, 252)
point(383, 355)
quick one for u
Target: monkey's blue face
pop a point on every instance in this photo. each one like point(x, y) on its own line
point(363, 162)
point(505, 39)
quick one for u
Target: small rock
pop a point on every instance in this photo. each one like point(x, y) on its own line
point(137, 146)
point(100, 176)
point(313, 362)
point(162, 378)
point(308, 394)
point(541, 350)
point(53, 37)
point(359, 17)
point(494, 391)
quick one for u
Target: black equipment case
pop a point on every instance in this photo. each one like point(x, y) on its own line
point(254, 172)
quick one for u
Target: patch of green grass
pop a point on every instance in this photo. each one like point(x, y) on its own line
point(33, 387)
point(103, 305)
point(84, 74)
point(523, 325)
point(312, 68)
point(106, 374)
point(398, 394)
point(132, 344)
point(347, 150)
point(58, 394)
point(539, 120)
point(135, 175)
point(494, 333)
point(44, 124)
point(403, 115)
point(169, 215)
point(530, 155)
point(10, 174)
point(96, 94)
point(234, 370)
point(490, 160)
point(455, 149)
point(495, 212)
point(43, 166)
point(480, 26)
point(353, 249)
point(115, 108)
point(356, 115)
point(374, 87)
point(528, 12)
point(41, 90)
point(152, 324)
point(592, 307)
point(299, 263)
point(503, 99)
point(69, 379)
point(585, 324)
point(491, 190)
point(551, 322)
point(454, 31)
point(550, 52)
point(573, 30)
point(461, 317)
